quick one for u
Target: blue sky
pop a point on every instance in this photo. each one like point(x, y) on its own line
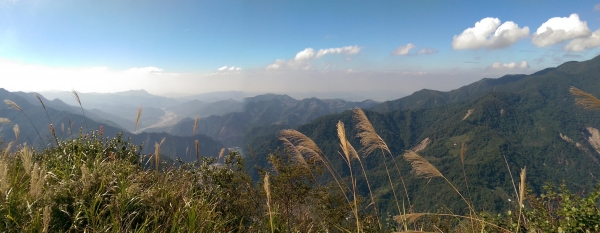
point(285, 46)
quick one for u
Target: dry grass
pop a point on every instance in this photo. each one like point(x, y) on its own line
point(157, 152)
point(7, 149)
point(370, 140)
point(137, 118)
point(268, 192)
point(221, 153)
point(46, 219)
point(584, 99)
point(594, 138)
point(4, 121)
point(36, 182)
point(422, 145)
point(347, 148)
point(196, 125)
point(408, 218)
point(76, 96)
point(469, 112)
point(13, 105)
point(296, 154)
point(420, 166)
point(300, 139)
point(521, 196)
point(197, 151)
point(17, 132)
point(43, 105)
point(309, 148)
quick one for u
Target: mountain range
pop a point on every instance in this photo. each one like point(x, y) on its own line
point(507, 124)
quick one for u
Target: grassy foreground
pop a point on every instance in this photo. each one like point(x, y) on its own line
point(95, 183)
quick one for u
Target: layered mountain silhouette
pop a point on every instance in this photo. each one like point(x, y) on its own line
point(516, 120)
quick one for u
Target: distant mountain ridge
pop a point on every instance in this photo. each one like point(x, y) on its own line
point(259, 111)
point(531, 120)
point(68, 121)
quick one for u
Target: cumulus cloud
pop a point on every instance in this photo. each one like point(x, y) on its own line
point(509, 66)
point(303, 59)
point(557, 30)
point(427, 51)
point(490, 34)
point(225, 68)
point(580, 44)
point(403, 50)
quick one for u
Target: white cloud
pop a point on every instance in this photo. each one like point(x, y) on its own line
point(427, 51)
point(509, 66)
point(28, 77)
point(597, 7)
point(143, 70)
point(305, 54)
point(343, 50)
point(557, 30)
point(403, 50)
point(303, 59)
point(490, 34)
point(580, 44)
point(226, 68)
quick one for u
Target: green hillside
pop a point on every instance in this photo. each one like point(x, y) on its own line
point(531, 120)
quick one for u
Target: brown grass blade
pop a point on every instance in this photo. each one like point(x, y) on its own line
point(299, 139)
point(157, 154)
point(221, 153)
point(137, 118)
point(296, 154)
point(584, 99)
point(7, 149)
point(268, 192)
point(196, 125)
point(40, 100)
point(76, 96)
point(370, 140)
point(197, 151)
point(408, 218)
point(17, 132)
point(80, 106)
point(522, 187)
point(463, 149)
point(343, 141)
point(420, 166)
point(422, 145)
point(13, 105)
point(4, 121)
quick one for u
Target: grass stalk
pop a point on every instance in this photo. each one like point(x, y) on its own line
point(76, 96)
point(137, 118)
point(521, 197)
point(349, 154)
point(268, 193)
point(15, 106)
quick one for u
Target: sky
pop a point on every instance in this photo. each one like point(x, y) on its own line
point(201, 46)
